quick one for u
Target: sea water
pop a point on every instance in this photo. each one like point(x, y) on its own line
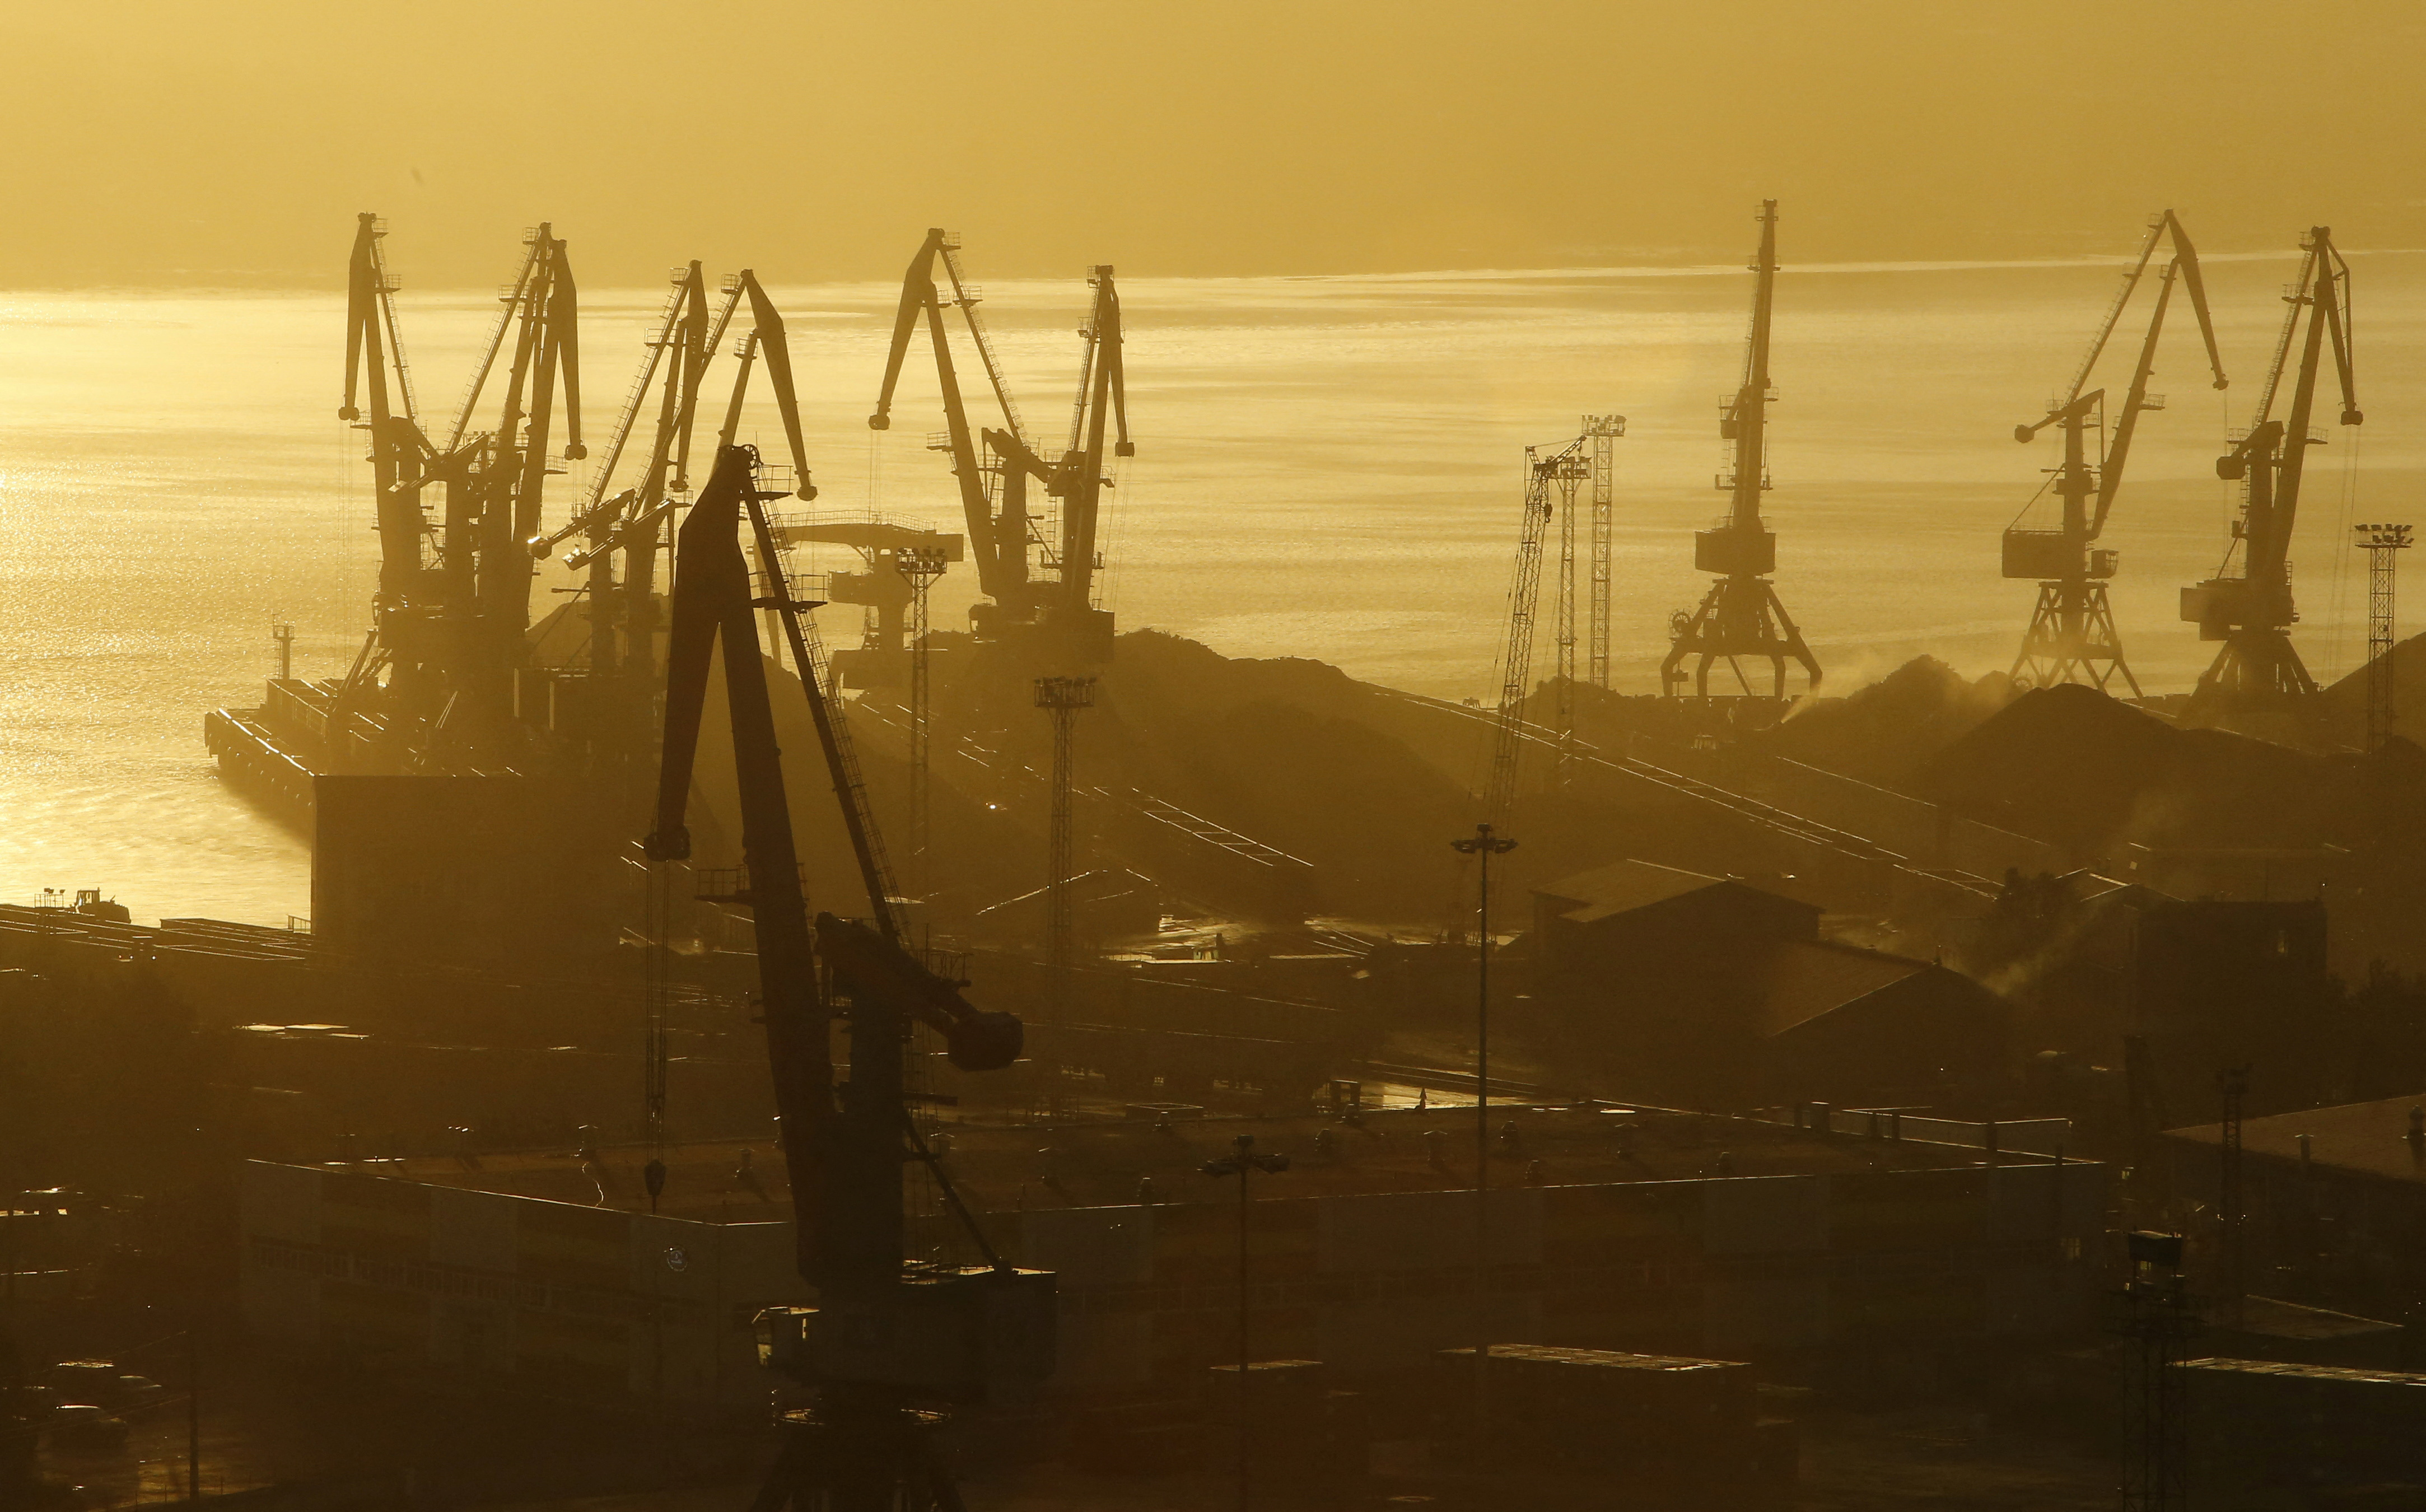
point(1327, 467)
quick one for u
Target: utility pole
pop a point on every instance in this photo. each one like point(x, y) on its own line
point(921, 567)
point(1063, 697)
point(193, 1417)
point(1482, 845)
point(2379, 543)
point(1239, 1164)
point(2234, 1083)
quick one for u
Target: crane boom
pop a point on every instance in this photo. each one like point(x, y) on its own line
point(509, 304)
point(2252, 612)
point(1750, 411)
point(399, 455)
point(2072, 635)
point(885, 1335)
point(1080, 482)
point(1543, 478)
point(993, 466)
point(1741, 614)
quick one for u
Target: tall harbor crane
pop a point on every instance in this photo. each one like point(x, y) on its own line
point(436, 676)
point(1741, 615)
point(1007, 539)
point(2251, 610)
point(2072, 635)
point(400, 453)
point(635, 525)
point(888, 1339)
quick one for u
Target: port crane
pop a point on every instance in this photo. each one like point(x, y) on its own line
point(2072, 635)
point(377, 374)
point(888, 1339)
point(1553, 479)
point(1007, 539)
point(437, 673)
point(633, 525)
point(1741, 614)
point(2251, 611)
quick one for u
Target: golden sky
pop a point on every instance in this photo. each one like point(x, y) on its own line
point(230, 141)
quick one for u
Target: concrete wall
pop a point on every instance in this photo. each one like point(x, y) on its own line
point(1730, 1268)
point(559, 1300)
point(587, 1301)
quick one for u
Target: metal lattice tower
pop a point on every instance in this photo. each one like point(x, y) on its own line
point(1063, 697)
point(2156, 1318)
point(2379, 543)
point(1570, 482)
point(921, 567)
point(1604, 431)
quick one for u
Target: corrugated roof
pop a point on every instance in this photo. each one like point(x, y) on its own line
point(2371, 1139)
point(1624, 887)
point(1808, 978)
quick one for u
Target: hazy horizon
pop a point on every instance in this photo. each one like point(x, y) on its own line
point(1248, 139)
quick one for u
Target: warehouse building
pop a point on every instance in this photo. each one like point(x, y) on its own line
point(1711, 991)
point(1609, 1228)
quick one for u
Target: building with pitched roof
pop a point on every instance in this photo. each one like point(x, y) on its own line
point(1710, 992)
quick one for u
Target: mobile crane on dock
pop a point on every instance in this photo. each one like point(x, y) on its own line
point(2257, 669)
point(1008, 539)
point(1741, 615)
point(2072, 635)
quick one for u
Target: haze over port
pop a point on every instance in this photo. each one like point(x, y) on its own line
point(1059, 756)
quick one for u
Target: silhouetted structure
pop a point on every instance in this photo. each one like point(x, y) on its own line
point(1008, 541)
point(2072, 634)
point(1062, 698)
point(1741, 615)
point(2382, 544)
point(2258, 670)
point(1712, 993)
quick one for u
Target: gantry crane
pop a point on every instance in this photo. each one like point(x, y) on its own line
point(1741, 615)
point(435, 677)
point(887, 1341)
point(2252, 611)
point(2072, 635)
point(1006, 539)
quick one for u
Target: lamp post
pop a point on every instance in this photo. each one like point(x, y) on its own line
point(1482, 845)
point(1242, 1160)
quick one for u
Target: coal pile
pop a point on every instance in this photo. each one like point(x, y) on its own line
point(2073, 765)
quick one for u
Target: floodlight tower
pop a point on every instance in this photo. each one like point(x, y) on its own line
point(921, 567)
point(2379, 543)
point(1063, 697)
point(1604, 431)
